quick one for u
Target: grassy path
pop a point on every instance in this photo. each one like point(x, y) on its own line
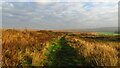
point(66, 55)
point(59, 53)
point(51, 52)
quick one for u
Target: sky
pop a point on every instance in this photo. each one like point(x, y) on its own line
point(59, 15)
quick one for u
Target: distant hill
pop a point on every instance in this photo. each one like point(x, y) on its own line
point(102, 29)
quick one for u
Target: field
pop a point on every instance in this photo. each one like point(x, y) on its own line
point(59, 48)
point(108, 33)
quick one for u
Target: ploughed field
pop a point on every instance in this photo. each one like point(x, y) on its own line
point(53, 48)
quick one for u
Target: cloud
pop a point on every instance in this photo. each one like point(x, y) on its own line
point(61, 15)
point(61, 0)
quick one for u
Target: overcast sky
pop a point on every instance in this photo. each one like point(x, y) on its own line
point(59, 15)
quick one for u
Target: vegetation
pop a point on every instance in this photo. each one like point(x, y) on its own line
point(95, 54)
point(24, 48)
point(55, 49)
point(108, 33)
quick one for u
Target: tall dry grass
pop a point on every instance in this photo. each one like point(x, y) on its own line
point(24, 48)
point(27, 48)
point(95, 54)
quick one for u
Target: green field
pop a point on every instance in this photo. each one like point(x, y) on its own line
point(107, 33)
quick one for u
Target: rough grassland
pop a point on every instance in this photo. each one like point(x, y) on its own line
point(55, 49)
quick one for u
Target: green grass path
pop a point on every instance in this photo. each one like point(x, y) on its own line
point(59, 53)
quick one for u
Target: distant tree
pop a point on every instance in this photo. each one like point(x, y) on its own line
point(118, 32)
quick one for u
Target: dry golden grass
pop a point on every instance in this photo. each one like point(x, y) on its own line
point(96, 53)
point(27, 47)
point(24, 47)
